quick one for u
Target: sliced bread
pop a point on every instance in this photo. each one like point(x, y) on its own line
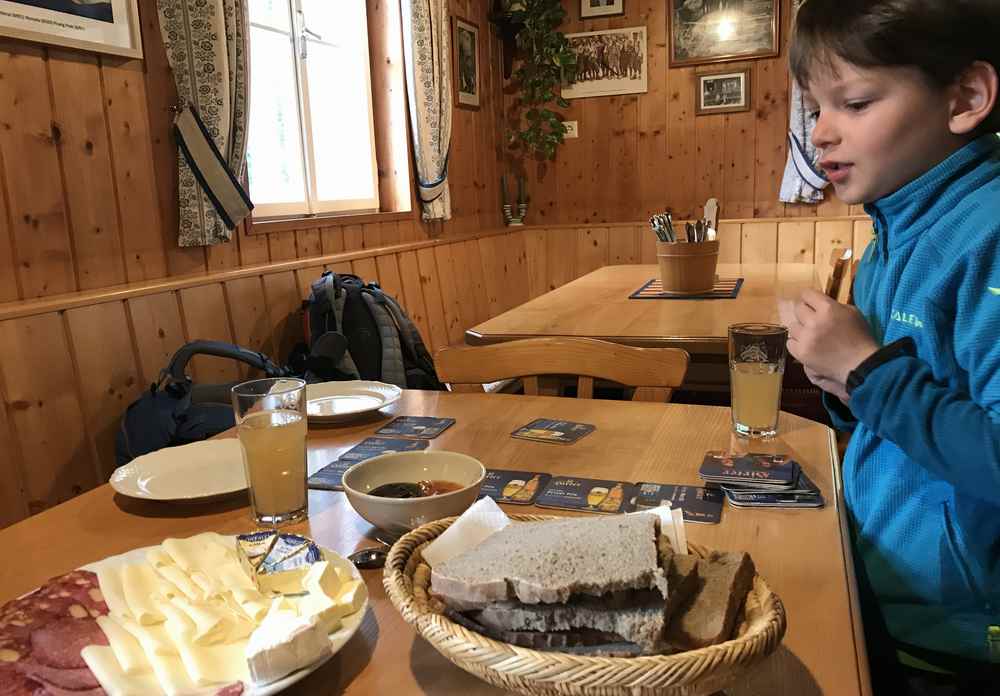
point(710, 613)
point(551, 561)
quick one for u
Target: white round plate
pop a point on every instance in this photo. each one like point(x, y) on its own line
point(336, 402)
point(348, 627)
point(201, 470)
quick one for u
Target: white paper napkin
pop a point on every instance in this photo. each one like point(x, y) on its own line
point(483, 518)
point(671, 524)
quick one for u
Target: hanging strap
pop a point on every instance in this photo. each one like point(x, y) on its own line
point(209, 167)
point(809, 174)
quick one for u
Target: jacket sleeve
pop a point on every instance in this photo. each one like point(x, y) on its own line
point(840, 415)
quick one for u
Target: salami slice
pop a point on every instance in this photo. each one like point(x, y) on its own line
point(58, 643)
point(234, 689)
point(50, 690)
point(73, 679)
point(13, 683)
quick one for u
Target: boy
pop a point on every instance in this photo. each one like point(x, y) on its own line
point(904, 94)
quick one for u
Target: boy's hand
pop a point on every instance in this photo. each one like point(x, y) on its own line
point(830, 339)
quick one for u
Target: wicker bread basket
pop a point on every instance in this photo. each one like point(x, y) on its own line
point(760, 627)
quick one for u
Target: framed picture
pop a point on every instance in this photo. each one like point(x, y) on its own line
point(713, 31)
point(105, 26)
point(465, 41)
point(601, 8)
point(722, 93)
point(612, 61)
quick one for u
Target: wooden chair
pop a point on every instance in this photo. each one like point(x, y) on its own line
point(853, 274)
point(654, 372)
point(840, 260)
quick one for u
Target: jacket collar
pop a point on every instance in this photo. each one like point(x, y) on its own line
point(911, 210)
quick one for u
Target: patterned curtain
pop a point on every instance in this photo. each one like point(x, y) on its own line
point(427, 58)
point(207, 47)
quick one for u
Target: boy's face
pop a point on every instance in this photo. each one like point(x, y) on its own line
point(877, 128)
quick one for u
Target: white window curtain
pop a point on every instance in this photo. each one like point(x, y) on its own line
point(427, 58)
point(208, 51)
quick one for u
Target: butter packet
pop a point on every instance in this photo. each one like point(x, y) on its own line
point(277, 561)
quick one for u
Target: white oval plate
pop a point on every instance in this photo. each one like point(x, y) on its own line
point(201, 470)
point(349, 624)
point(336, 402)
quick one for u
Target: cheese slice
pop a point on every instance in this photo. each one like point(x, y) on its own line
point(181, 580)
point(215, 664)
point(129, 654)
point(157, 557)
point(210, 623)
point(153, 639)
point(109, 578)
point(162, 656)
point(113, 678)
point(202, 552)
point(142, 588)
point(252, 602)
point(232, 576)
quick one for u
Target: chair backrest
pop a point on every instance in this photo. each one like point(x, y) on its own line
point(840, 259)
point(655, 372)
point(850, 280)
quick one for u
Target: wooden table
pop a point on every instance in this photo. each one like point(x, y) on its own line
point(802, 553)
point(597, 306)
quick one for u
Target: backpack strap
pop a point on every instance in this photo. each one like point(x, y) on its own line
point(393, 367)
point(412, 342)
point(178, 363)
point(328, 358)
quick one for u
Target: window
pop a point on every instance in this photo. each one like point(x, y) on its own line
point(311, 141)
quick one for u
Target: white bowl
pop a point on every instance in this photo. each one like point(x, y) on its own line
point(404, 514)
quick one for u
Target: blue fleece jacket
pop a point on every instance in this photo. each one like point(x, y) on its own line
point(922, 472)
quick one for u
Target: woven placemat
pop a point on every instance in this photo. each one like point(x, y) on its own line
point(724, 289)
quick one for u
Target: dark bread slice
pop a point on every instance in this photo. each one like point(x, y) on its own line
point(710, 613)
point(580, 642)
point(638, 618)
point(682, 578)
point(551, 561)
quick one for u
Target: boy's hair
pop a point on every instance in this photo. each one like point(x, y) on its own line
point(941, 38)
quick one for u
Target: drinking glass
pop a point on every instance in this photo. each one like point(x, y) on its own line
point(756, 366)
point(271, 425)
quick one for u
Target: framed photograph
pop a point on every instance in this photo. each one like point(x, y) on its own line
point(601, 8)
point(714, 31)
point(608, 62)
point(722, 93)
point(104, 26)
point(465, 43)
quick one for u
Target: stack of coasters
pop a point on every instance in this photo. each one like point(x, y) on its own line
point(760, 480)
point(701, 505)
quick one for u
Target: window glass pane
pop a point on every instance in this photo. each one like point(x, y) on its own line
point(271, 13)
point(339, 100)
point(274, 149)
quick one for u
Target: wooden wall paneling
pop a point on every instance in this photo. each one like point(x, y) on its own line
point(591, 250)
point(760, 242)
point(771, 87)
point(332, 239)
point(536, 253)
point(305, 277)
point(472, 310)
point(682, 157)
point(600, 187)
point(623, 245)
point(366, 269)
point(254, 249)
point(623, 170)
point(221, 257)
point(430, 281)
point(156, 321)
point(475, 267)
point(108, 376)
point(205, 316)
point(340, 267)
point(81, 134)
point(493, 259)
point(307, 243)
point(281, 246)
point(796, 242)
point(248, 315)
point(371, 235)
point(864, 232)
point(44, 408)
point(281, 293)
point(831, 234)
point(739, 157)
point(831, 206)
point(40, 227)
point(710, 136)
point(451, 300)
point(389, 232)
point(461, 167)
point(353, 237)
point(8, 265)
point(388, 102)
point(730, 242)
point(389, 277)
point(573, 158)
point(516, 278)
point(132, 159)
point(653, 140)
point(416, 307)
point(647, 245)
point(560, 256)
point(13, 497)
point(408, 231)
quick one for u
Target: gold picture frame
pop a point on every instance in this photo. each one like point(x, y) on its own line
point(102, 26)
point(715, 31)
point(465, 55)
point(722, 92)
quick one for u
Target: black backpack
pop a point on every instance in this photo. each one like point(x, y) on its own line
point(175, 411)
point(357, 331)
